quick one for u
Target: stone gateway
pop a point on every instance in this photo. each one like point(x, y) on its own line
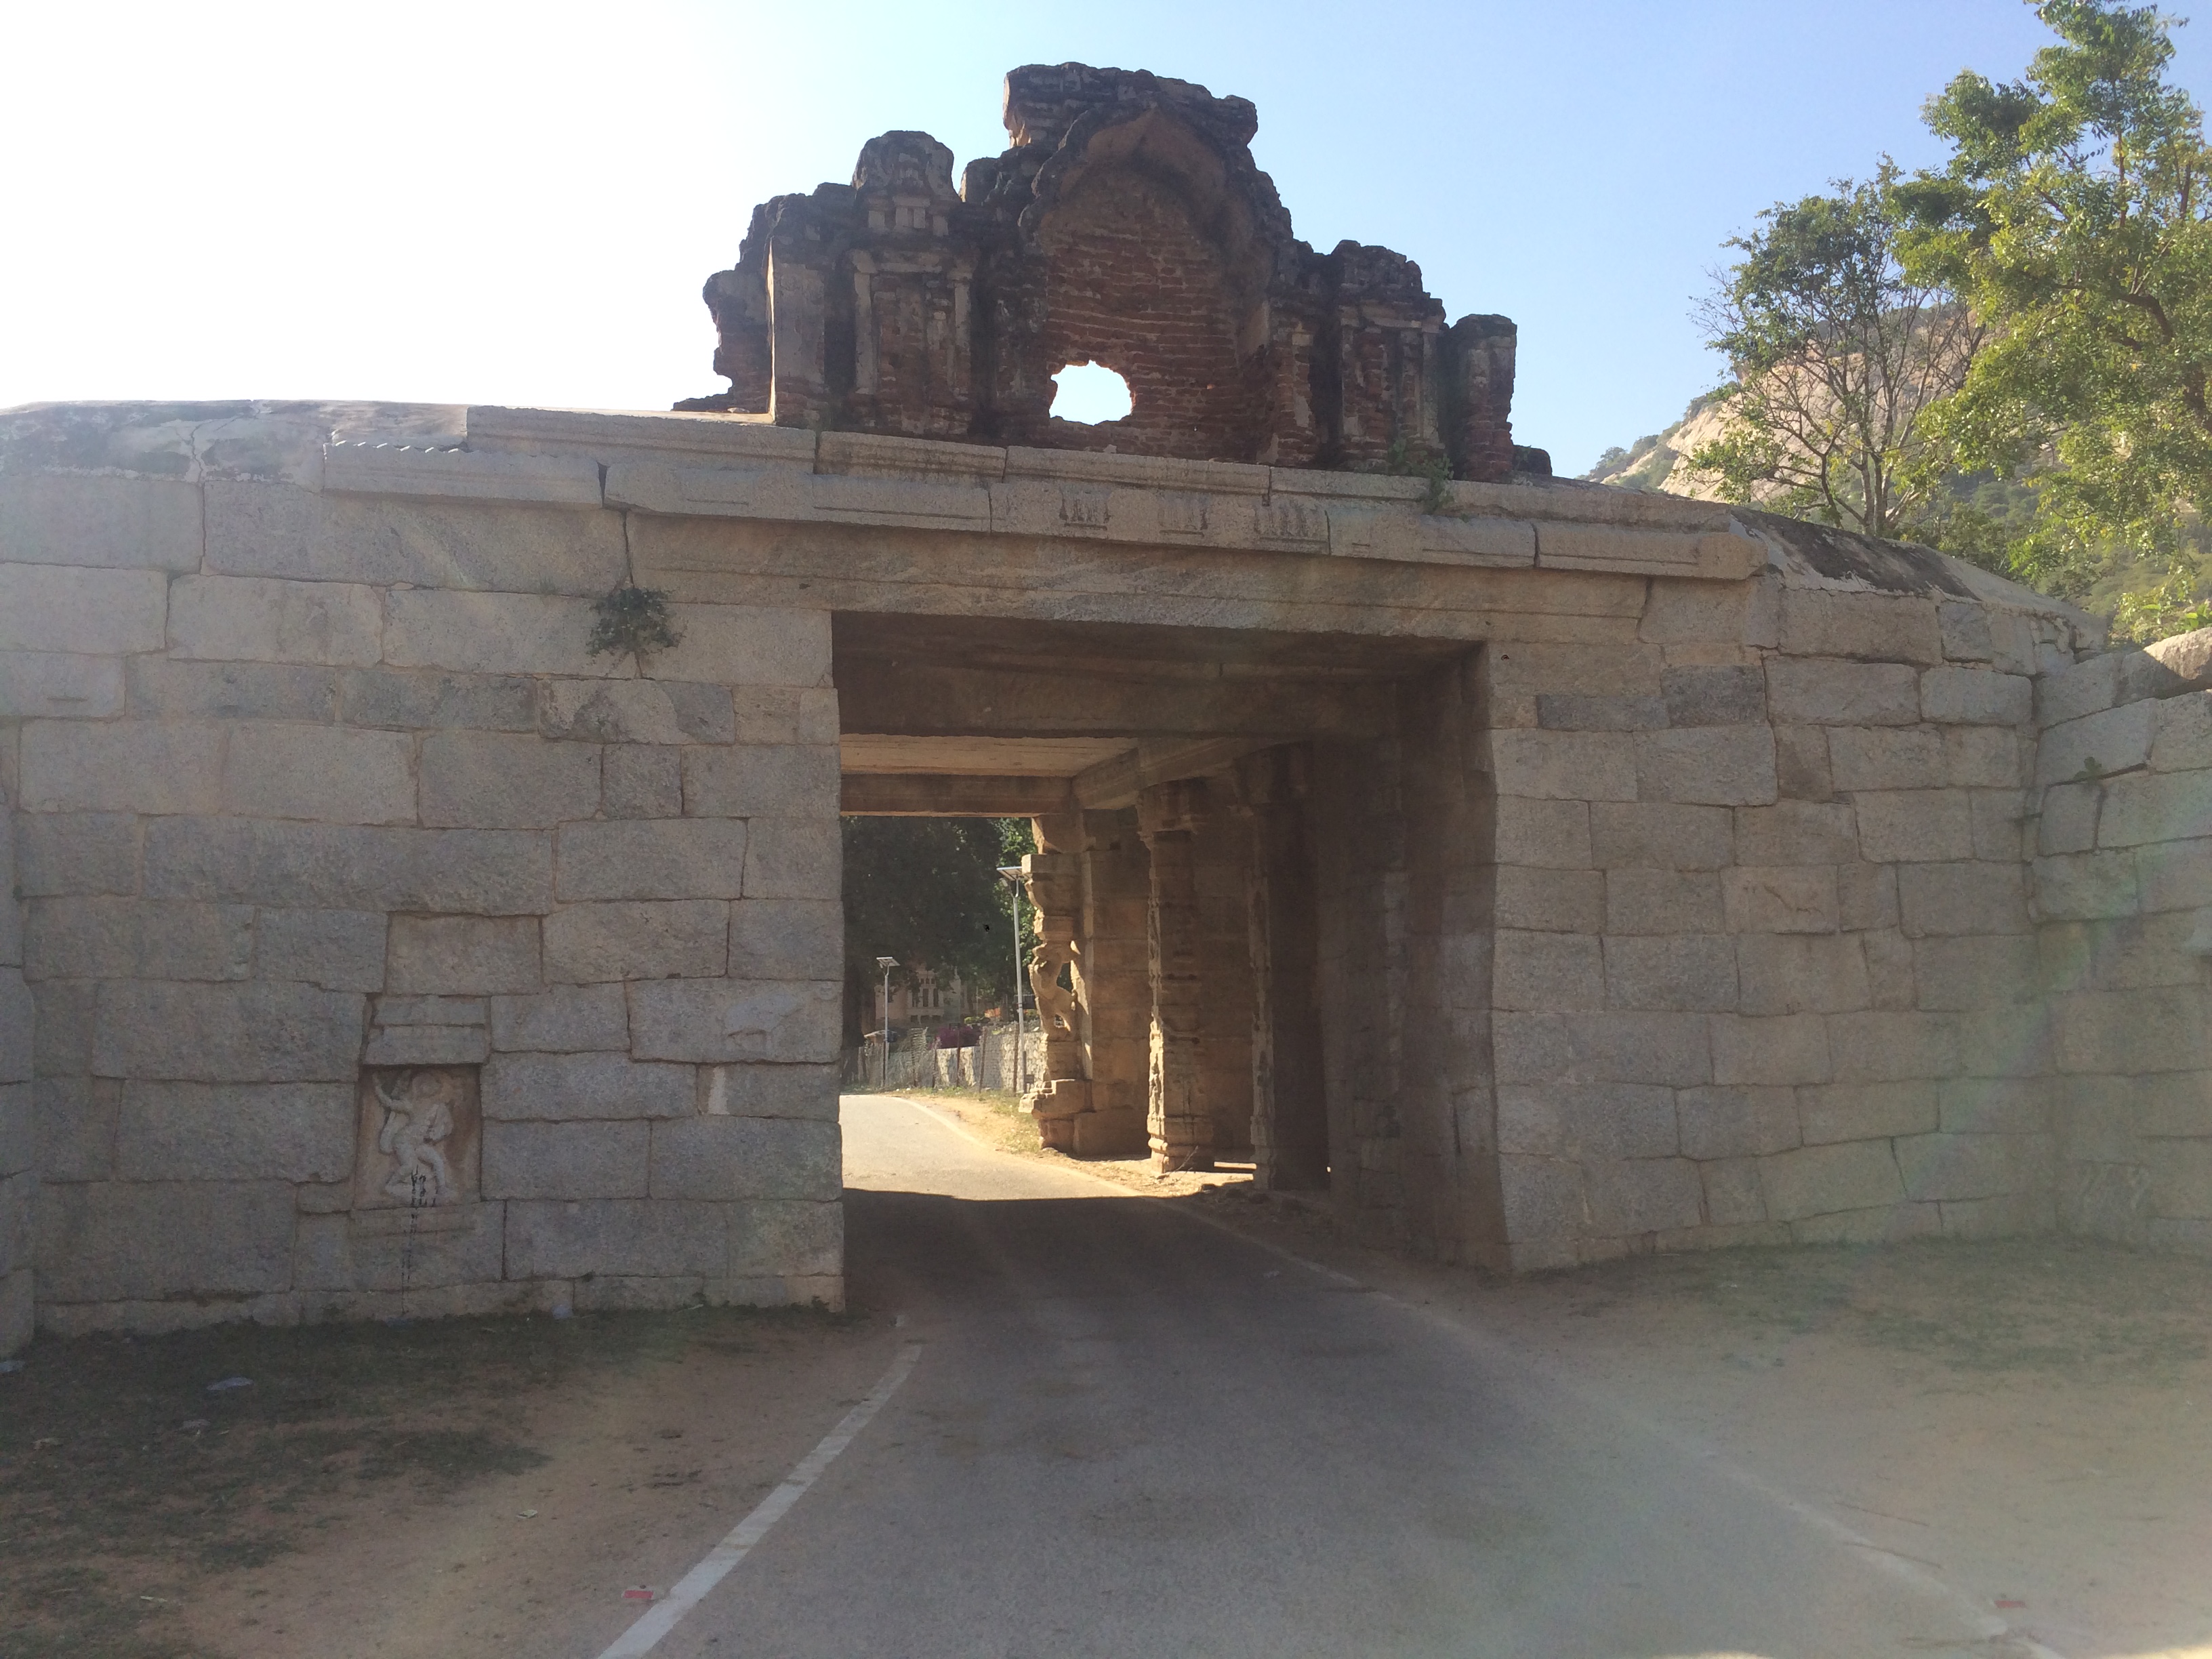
point(1546, 871)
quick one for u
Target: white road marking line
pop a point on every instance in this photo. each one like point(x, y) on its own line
point(691, 1588)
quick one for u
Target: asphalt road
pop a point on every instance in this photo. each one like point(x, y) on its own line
point(1131, 1432)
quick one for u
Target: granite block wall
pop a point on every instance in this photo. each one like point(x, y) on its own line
point(388, 947)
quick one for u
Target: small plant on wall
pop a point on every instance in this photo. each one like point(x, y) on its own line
point(631, 621)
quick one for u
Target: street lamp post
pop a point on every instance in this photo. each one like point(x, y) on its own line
point(887, 963)
point(1011, 875)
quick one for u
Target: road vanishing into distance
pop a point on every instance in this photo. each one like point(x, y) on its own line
point(1129, 1431)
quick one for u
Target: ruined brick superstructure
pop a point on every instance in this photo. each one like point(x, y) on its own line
point(1127, 226)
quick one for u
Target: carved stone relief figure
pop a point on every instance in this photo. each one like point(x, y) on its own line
point(420, 1132)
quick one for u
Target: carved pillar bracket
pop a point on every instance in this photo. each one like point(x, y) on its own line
point(1054, 882)
point(1180, 1131)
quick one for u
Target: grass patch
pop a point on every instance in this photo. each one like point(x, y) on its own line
point(123, 1480)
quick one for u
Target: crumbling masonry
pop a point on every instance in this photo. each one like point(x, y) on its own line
point(1542, 871)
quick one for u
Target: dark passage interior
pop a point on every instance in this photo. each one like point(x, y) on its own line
point(1264, 862)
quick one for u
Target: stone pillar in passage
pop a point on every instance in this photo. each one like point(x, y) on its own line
point(1113, 984)
point(1175, 1121)
point(1290, 1116)
point(1053, 881)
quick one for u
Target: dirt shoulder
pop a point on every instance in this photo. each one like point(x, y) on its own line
point(455, 1488)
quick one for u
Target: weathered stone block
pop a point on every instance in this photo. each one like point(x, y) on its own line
point(1633, 1196)
point(1663, 901)
point(1815, 1181)
point(793, 858)
point(337, 949)
point(352, 868)
point(1916, 826)
point(1954, 1166)
point(752, 780)
point(2005, 1042)
point(1975, 696)
point(129, 766)
point(1613, 1047)
point(1736, 1122)
point(2009, 1106)
point(1686, 971)
point(635, 711)
point(1733, 695)
point(1865, 1111)
point(2068, 820)
point(1964, 898)
point(1887, 1225)
point(323, 773)
point(1717, 765)
point(550, 1239)
point(566, 1160)
point(774, 713)
point(1886, 758)
point(1782, 1048)
point(66, 1013)
point(2155, 806)
point(491, 633)
point(48, 686)
point(234, 1131)
point(1762, 899)
point(1547, 970)
point(390, 1250)
point(1977, 972)
point(2085, 885)
point(768, 1237)
point(2078, 689)
point(746, 644)
point(1550, 900)
point(2131, 1033)
point(100, 938)
point(1965, 629)
point(18, 1022)
point(2176, 1106)
point(795, 1021)
point(1565, 765)
point(167, 689)
point(2016, 1215)
point(279, 530)
point(656, 859)
point(1803, 692)
point(2179, 1183)
point(82, 519)
point(640, 780)
point(2181, 733)
point(552, 1088)
point(1733, 1193)
point(2176, 875)
point(73, 1127)
point(646, 940)
point(566, 1019)
point(716, 1159)
point(92, 613)
point(1986, 757)
point(787, 939)
point(1660, 836)
point(1571, 713)
point(1877, 628)
point(462, 956)
point(398, 1044)
point(258, 619)
point(1543, 1200)
point(1588, 1120)
point(500, 781)
point(18, 1131)
point(1801, 763)
point(2096, 746)
point(1801, 974)
point(426, 700)
point(809, 1091)
point(1883, 1047)
point(105, 1241)
point(252, 1032)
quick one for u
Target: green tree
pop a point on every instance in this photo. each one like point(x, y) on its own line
point(927, 892)
point(2073, 217)
point(1835, 352)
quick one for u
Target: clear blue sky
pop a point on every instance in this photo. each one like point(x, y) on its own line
point(493, 202)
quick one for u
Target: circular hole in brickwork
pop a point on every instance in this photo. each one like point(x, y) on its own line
point(1090, 394)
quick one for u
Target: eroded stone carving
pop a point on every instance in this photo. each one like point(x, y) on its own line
point(1128, 226)
point(420, 1133)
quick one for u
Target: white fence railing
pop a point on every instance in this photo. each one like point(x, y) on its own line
point(914, 1061)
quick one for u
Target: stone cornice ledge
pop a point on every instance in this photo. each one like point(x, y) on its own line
point(725, 467)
